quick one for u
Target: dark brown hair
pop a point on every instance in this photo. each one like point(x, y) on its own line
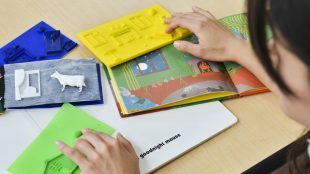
point(289, 21)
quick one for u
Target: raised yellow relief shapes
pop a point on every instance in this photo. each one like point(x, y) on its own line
point(123, 35)
point(159, 29)
point(152, 12)
point(141, 22)
point(130, 36)
point(95, 39)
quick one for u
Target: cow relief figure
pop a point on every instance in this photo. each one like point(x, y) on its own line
point(70, 80)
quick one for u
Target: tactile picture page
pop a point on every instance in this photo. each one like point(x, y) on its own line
point(40, 42)
point(36, 160)
point(128, 37)
point(49, 82)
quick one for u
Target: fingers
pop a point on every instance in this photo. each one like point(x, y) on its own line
point(93, 139)
point(101, 135)
point(203, 12)
point(100, 140)
point(185, 46)
point(125, 143)
point(106, 138)
point(71, 153)
point(190, 21)
point(179, 21)
point(171, 26)
point(192, 15)
point(84, 147)
point(91, 160)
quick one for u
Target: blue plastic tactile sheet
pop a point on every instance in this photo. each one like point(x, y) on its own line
point(41, 42)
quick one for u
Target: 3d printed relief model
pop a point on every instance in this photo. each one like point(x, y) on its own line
point(23, 84)
point(34, 82)
point(70, 80)
point(53, 42)
point(131, 36)
point(41, 42)
point(60, 165)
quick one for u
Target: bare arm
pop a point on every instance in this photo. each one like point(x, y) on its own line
point(250, 61)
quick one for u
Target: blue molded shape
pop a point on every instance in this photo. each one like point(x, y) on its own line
point(53, 42)
point(41, 42)
point(69, 45)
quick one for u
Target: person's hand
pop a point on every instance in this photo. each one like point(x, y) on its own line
point(216, 42)
point(97, 153)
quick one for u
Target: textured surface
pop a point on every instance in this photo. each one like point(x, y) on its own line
point(50, 87)
point(42, 156)
point(33, 45)
point(131, 36)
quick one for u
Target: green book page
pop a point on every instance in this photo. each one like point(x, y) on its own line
point(166, 76)
point(42, 155)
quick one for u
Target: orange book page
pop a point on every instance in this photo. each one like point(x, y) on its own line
point(245, 82)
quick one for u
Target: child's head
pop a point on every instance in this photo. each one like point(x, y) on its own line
point(286, 57)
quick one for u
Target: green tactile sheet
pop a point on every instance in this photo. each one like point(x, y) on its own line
point(43, 157)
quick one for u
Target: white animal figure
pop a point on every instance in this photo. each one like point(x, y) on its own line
point(74, 80)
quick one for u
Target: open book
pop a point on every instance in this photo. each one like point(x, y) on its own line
point(166, 77)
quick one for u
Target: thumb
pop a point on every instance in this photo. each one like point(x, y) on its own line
point(125, 143)
point(188, 47)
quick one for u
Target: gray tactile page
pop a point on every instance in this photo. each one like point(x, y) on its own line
point(51, 88)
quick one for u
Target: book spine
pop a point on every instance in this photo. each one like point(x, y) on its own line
point(2, 88)
point(106, 72)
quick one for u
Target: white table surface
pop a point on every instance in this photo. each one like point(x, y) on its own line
point(18, 128)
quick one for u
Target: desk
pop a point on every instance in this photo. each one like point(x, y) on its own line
point(262, 129)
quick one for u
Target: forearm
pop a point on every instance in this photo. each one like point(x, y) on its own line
point(246, 57)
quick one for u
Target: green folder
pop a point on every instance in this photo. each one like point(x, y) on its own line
point(43, 157)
